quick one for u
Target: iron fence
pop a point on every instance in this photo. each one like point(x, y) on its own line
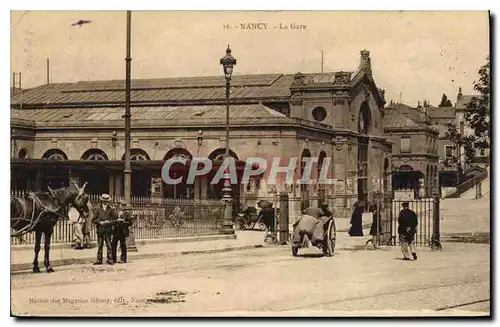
point(386, 224)
point(164, 218)
point(152, 218)
point(427, 211)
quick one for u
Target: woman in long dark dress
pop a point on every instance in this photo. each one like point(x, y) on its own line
point(374, 229)
point(357, 220)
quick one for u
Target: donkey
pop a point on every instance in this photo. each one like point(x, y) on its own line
point(39, 212)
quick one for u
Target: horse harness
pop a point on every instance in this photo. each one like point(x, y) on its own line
point(32, 222)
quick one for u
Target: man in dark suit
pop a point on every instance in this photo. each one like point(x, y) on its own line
point(121, 232)
point(104, 218)
point(326, 209)
point(407, 229)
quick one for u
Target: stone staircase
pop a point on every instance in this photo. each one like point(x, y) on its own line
point(467, 190)
point(485, 190)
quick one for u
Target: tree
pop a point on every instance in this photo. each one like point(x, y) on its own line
point(478, 110)
point(445, 102)
point(460, 142)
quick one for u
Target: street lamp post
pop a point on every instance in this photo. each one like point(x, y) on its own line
point(227, 62)
point(127, 172)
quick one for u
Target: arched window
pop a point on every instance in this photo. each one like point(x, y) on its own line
point(94, 154)
point(177, 153)
point(405, 168)
point(364, 119)
point(321, 185)
point(219, 154)
point(55, 154)
point(304, 186)
point(305, 153)
point(321, 158)
point(137, 155)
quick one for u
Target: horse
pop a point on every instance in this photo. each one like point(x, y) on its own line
point(39, 212)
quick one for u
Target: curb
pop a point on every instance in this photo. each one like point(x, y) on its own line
point(53, 246)
point(72, 261)
point(244, 247)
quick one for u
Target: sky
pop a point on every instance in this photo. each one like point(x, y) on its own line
point(415, 55)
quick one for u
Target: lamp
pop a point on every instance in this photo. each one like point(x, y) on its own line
point(227, 62)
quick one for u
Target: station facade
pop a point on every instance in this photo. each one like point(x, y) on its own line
point(74, 132)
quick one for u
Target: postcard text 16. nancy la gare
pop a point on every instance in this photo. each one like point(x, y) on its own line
point(263, 26)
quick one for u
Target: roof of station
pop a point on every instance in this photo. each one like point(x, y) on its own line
point(204, 88)
point(170, 113)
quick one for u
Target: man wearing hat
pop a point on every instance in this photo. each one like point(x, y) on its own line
point(104, 218)
point(325, 208)
point(407, 228)
point(121, 232)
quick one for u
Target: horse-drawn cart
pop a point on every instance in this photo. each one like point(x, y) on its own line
point(316, 228)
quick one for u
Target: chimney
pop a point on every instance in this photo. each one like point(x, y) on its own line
point(459, 95)
point(48, 71)
point(365, 61)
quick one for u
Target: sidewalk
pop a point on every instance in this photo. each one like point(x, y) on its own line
point(23, 259)
point(465, 216)
point(22, 256)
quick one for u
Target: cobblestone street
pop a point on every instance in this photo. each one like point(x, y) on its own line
point(264, 281)
point(270, 281)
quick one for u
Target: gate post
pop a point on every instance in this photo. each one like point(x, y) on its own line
point(436, 224)
point(284, 218)
point(479, 191)
point(130, 240)
point(227, 222)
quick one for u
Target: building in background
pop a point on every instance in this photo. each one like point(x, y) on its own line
point(415, 160)
point(75, 132)
point(481, 159)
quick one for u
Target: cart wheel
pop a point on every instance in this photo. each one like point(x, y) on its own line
point(369, 245)
point(295, 250)
point(332, 237)
point(270, 239)
point(239, 224)
point(436, 245)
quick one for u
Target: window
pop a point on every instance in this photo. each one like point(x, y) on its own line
point(138, 157)
point(23, 153)
point(462, 126)
point(449, 151)
point(319, 113)
point(405, 144)
point(56, 156)
point(96, 156)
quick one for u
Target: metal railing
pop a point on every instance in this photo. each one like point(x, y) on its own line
point(152, 218)
point(469, 184)
point(428, 229)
